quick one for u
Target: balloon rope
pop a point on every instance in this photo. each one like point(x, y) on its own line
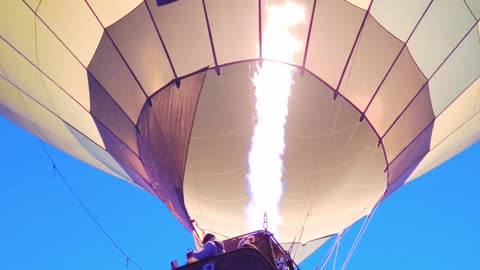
point(79, 201)
point(361, 233)
point(332, 248)
point(330, 252)
point(336, 256)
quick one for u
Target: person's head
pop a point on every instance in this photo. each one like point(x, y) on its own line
point(207, 238)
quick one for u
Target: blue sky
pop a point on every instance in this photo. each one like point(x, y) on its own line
point(431, 223)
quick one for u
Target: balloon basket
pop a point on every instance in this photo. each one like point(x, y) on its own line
point(264, 253)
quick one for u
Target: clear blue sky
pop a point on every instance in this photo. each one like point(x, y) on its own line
point(431, 223)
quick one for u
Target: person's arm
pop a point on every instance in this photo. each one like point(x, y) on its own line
point(207, 251)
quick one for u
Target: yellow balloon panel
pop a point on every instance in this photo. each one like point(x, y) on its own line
point(234, 26)
point(74, 24)
point(334, 30)
point(61, 66)
point(13, 100)
point(17, 27)
point(34, 4)
point(110, 11)
point(456, 74)
point(10, 98)
point(359, 83)
point(55, 132)
point(101, 155)
point(147, 58)
point(73, 114)
point(2, 73)
point(186, 39)
point(456, 115)
point(442, 28)
point(386, 12)
point(24, 75)
point(363, 4)
point(459, 140)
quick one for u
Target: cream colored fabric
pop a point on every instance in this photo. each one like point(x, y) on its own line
point(442, 28)
point(388, 14)
point(234, 26)
point(336, 166)
point(59, 65)
point(44, 124)
point(462, 138)
point(454, 130)
point(458, 72)
point(334, 171)
point(24, 75)
point(363, 4)
point(180, 32)
point(77, 28)
point(17, 26)
point(34, 4)
point(327, 59)
point(110, 11)
point(302, 251)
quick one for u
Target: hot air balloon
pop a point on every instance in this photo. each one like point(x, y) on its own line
point(160, 94)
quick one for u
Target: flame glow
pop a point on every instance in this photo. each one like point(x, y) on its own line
point(272, 82)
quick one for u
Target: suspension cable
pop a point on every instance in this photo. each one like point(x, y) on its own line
point(326, 257)
point(56, 171)
point(361, 233)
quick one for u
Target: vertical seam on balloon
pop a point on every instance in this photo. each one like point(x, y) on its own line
point(478, 28)
point(1, 37)
point(380, 143)
point(36, 54)
point(161, 40)
point(427, 126)
point(26, 108)
point(428, 80)
point(349, 140)
point(193, 122)
point(395, 61)
point(308, 36)
point(165, 194)
point(466, 88)
point(144, 110)
point(299, 230)
point(78, 60)
point(41, 71)
point(444, 139)
point(210, 36)
point(60, 87)
point(469, 9)
point(355, 43)
point(260, 33)
point(118, 51)
point(38, 6)
point(329, 87)
point(204, 69)
point(477, 103)
point(166, 86)
point(182, 175)
point(73, 127)
point(2, 69)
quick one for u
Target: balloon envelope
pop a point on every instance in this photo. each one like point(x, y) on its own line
point(161, 96)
